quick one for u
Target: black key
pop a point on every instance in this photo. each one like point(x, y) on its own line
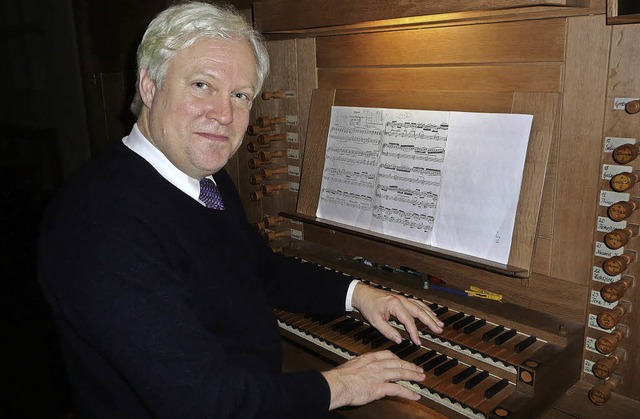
point(408, 351)
point(323, 319)
point(474, 326)
point(463, 323)
point(493, 333)
point(424, 357)
point(399, 346)
point(379, 341)
point(445, 367)
point(370, 331)
point(505, 337)
point(521, 346)
point(495, 389)
point(375, 336)
point(463, 375)
point(350, 328)
point(440, 311)
point(433, 306)
point(434, 362)
point(476, 379)
point(452, 319)
point(343, 323)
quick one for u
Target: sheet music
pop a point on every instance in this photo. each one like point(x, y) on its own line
point(445, 179)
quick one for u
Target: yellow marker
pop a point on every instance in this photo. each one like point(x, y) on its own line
point(480, 293)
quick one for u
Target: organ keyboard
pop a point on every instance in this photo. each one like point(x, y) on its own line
point(478, 367)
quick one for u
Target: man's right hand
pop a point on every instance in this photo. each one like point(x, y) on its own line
point(371, 377)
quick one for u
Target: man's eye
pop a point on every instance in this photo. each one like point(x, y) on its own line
point(242, 96)
point(199, 85)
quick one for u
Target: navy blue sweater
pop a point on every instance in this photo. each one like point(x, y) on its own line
point(164, 307)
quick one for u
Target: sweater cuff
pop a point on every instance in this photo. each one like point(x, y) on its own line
point(313, 394)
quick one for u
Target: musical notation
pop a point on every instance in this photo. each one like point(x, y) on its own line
point(395, 158)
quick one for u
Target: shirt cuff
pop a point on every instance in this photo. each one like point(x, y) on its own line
point(347, 303)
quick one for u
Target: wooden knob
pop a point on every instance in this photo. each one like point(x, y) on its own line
point(601, 393)
point(620, 237)
point(268, 155)
point(273, 221)
point(257, 129)
point(621, 210)
point(603, 368)
point(615, 265)
point(623, 181)
point(632, 106)
point(255, 179)
point(253, 146)
point(614, 291)
point(265, 122)
point(256, 195)
point(273, 95)
point(265, 138)
point(260, 226)
point(611, 317)
point(275, 235)
point(608, 343)
point(625, 153)
point(254, 163)
point(269, 189)
point(269, 173)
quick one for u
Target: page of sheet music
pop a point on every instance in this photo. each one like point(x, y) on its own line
point(450, 180)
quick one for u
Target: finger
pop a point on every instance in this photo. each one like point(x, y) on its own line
point(426, 316)
point(395, 368)
point(410, 327)
point(387, 330)
point(406, 317)
point(393, 389)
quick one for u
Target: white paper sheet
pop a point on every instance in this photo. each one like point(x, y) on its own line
point(450, 180)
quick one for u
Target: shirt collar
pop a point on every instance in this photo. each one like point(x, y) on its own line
point(140, 145)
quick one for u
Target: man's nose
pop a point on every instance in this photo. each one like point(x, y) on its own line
point(221, 109)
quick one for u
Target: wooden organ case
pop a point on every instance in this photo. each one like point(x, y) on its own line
point(569, 312)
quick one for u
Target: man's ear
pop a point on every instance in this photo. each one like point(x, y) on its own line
point(147, 88)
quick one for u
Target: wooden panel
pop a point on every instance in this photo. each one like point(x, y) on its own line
point(541, 256)
point(624, 82)
point(276, 15)
point(579, 150)
point(491, 78)
point(446, 101)
point(306, 83)
point(546, 295)
point(318, 130)
point(544, 107)
point(513, 42)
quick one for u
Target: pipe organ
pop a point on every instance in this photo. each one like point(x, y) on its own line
point(564, 338)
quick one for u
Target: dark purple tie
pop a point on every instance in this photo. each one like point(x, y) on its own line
point(210, 195)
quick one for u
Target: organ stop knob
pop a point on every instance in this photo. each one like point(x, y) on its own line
point(617, 238)
point(625, 153)
point(608, 343)
point(614, 291)
point(615, 265)
point(623, 181)
point(632, 106)
point(609, 318)
point(600, 394)
point(621, 210)
point(603, 368)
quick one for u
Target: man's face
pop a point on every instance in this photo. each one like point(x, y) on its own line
point(199, 116)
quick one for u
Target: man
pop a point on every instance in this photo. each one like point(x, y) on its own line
point(164, 305)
